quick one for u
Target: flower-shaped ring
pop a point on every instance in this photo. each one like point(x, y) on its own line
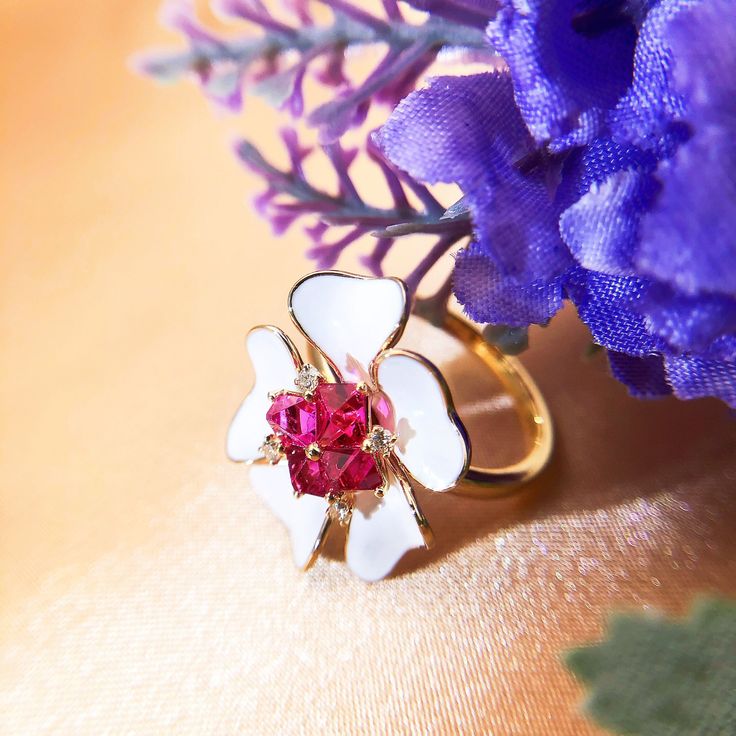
point(347, 444)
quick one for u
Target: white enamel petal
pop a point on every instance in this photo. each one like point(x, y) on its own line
point(430, 443)
point(274, 365)
point(381, 532)
point(303, 516)
point(350, 318)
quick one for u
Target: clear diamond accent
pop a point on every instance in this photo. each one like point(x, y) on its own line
point(342, 510)
point(380, 441)
point(272, 449)
point(307, 379)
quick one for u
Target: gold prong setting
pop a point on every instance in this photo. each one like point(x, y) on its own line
point(378, 442)
point(313, 451)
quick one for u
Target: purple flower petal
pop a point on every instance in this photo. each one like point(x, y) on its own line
point(722, 348)
point(593, 164)
point(490, 297)
point(467, 130)
point(687, 324)
point(602, 227)
point(688, 239)
point(604, 303)
point(702, 71)
point(570, 61)
point(693, 378)
point(516, 224)
point(454, 128)
point(644, 377)
point(651, 104)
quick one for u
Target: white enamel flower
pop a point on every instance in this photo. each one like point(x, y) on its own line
point(352, 323)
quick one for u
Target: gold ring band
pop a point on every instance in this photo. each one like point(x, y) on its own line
point(530, 406)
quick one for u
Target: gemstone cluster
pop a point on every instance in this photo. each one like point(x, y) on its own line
point(323, 434)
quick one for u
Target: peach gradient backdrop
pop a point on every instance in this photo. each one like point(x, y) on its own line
point(144, 588)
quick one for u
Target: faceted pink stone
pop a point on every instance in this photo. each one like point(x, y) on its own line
point(294, 419)
point(306, 475)
point(337, 420)
point(335, 473)
point(351, 470)
point(342, 415)
point(381, 411)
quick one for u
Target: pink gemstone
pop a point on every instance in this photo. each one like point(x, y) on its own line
point(342, 415)
point(306, 475)
point(294, 419)
point(336, 472)
point(381, 411)
point(337, 420)
point(351, 470)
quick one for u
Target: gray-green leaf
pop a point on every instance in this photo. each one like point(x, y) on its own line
point(654, 676)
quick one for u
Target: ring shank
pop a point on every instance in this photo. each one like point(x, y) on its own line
point(530, 406)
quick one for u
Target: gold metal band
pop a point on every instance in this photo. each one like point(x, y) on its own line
point(530, 406)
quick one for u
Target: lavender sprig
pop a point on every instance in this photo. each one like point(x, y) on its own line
point(223, 65)
point(290, 196)
point(275, 64)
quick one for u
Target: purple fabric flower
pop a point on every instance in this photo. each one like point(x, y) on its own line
point(687, 244)
point(570, 61)
point(491, 297)
point(601, 170)
point(688, 239)
point(645, 377)
point(602, 227)
point(693, 377)
point(472, 135)
point(674, 234)
point(646, 113)
point(690, 324)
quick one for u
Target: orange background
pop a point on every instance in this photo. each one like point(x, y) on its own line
point(144, 588)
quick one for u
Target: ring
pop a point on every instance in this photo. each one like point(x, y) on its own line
point(345, 440)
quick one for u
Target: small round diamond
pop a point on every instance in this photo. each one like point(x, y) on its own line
point(380, 441)
point(307, 379)
point(343, 510)
point(272, 449)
